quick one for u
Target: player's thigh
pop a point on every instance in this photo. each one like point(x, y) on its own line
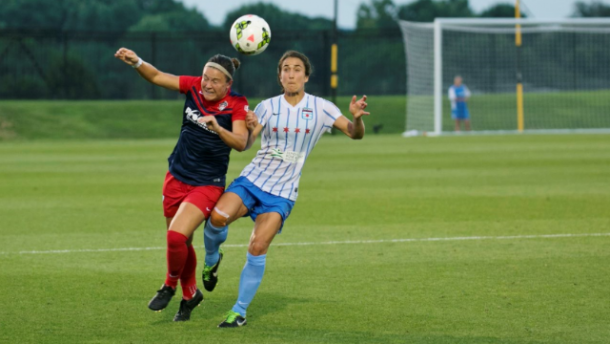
point(187, 219)
point(266, 227)
point(230, 206)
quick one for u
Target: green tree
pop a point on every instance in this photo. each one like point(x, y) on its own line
point(379, 14)
point(188, 20)
point(428, 10)
point(500, 11)
point(593, 9)
point(36, 14)
point(100, 15)
point(278, 18)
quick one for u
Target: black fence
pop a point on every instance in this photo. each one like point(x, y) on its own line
point(81, 65)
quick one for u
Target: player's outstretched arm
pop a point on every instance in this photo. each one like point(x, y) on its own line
point(148, 71)
point(355, 129)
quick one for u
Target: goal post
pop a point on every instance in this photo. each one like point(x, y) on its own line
point(564, 73)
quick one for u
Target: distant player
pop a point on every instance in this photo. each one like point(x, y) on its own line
point(458, 95)
point(290, 124)
point(213, 123)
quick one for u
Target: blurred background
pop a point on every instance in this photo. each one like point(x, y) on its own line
point(63, 50)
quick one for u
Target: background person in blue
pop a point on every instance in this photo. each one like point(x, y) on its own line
point(458, 95)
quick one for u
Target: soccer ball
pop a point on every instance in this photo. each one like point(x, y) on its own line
point(250, 34)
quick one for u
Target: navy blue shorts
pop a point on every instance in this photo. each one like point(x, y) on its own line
point(258, 201)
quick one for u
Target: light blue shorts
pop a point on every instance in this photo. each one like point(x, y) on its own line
point(258, 201)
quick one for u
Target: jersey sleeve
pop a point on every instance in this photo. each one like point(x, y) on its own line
point(262, 113)
point(331, 114)
point(466, 92)
point(240, 109)
point(186, 82)
point(451, 93)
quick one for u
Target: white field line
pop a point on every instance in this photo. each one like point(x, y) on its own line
point(347, 242)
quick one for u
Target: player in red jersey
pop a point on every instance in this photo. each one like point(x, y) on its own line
point(213, 123)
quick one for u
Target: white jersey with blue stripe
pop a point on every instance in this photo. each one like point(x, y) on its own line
point(288, 136)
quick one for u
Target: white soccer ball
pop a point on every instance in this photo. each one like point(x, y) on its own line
point(250, 34)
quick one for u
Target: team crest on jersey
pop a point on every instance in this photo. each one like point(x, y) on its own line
point(307, 114)
point(223, 106)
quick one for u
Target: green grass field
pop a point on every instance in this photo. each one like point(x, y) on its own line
point(78, 120)
point(51, 120)
point(489, 239)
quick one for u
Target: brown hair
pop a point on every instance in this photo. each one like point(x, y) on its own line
point(231, 64)
point(300, 56)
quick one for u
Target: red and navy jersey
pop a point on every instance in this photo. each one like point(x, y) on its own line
point(200, 156)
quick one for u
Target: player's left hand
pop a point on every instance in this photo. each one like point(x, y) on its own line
point(210, 122)
point(357, 107)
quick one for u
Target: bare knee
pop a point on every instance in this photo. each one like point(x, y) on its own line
point(218, 218)
point(258, 247)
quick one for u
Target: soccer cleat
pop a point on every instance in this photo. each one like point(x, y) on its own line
point(233, 319)
point(210, 273)
point(186, 307)
point(162, 298)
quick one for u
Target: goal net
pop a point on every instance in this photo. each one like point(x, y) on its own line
point(563, 68)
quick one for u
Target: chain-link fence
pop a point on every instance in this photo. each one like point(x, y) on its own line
point(81, 65)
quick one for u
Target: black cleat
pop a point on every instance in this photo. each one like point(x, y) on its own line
point(186, 307)
point(163, 297)
point(233, 319)
point(210, 273)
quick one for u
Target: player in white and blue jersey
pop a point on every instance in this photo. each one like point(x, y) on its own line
point(290, 125)
point(458, 95)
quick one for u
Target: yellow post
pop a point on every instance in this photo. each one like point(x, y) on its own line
point(333, 66)
point(519, 84)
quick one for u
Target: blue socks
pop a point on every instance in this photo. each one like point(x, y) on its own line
point(251, 277)
point(212, 238)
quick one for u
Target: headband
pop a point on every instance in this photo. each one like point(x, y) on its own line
point(220, 68)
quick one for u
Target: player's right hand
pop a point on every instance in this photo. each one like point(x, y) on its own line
point(127, 56)
point(251, 120)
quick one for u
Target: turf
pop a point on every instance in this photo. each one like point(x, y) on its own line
point(81, 204)
point(85, 120)
point(553, 110)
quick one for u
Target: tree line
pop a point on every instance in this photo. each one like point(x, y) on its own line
point(62, 49)
point(172, 15)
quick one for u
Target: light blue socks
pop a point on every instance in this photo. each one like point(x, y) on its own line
point(251, 277)
point(212, 238)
